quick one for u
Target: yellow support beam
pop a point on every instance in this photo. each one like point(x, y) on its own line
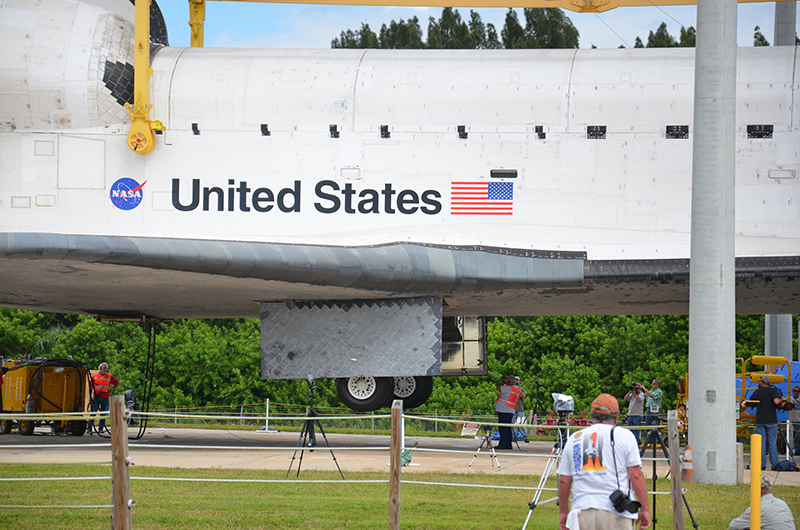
point(197, 17)
point(141, 139)
point(768, 360)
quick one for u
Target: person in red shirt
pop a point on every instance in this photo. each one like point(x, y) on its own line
point(104, 383)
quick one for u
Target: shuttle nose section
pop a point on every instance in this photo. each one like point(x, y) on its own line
point(67, 64)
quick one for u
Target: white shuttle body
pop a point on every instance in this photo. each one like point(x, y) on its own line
point(510, 182)
point(494, 182)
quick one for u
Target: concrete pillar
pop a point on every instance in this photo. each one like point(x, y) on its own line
point(778, 328)
point(778, 336)
point(785, 22)
point(712, 397)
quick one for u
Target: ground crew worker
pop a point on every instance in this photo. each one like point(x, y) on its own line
point(505, 405)
point(104, 384)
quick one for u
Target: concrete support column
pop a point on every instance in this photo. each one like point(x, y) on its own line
point(712, 398)
point(778, 328)
point(785, 22)
point(778, 336)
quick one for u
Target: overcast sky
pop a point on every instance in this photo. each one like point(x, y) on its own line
point(263, 25)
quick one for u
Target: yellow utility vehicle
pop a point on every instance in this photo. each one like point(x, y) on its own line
point(780, 377)
point(750, 371)
point(46, 386)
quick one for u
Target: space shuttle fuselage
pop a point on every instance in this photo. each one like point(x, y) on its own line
point(579, 157)
point(575, 150)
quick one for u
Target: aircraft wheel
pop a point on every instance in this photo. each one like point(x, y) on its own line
point(364, 394)
point(26, 427)
point(7, 426)
point(414, 391)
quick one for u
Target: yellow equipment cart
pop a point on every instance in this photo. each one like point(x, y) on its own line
point(46, 386)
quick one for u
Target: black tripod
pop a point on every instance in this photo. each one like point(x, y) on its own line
point(537, 408)
point(655, 439)
point(307, 436)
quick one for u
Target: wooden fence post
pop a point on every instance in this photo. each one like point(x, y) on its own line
point(395, 463)
point(675, 469)
point(120, 471)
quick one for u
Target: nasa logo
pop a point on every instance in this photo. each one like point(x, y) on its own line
point(126, 193)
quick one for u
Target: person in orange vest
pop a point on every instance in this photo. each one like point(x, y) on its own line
point(505, 405)
point(104, 383)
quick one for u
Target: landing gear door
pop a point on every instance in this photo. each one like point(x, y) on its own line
point(464, 346)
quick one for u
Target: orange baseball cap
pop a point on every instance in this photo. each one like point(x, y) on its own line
point(605, 404)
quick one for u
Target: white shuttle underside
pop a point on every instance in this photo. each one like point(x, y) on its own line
point(275, 181)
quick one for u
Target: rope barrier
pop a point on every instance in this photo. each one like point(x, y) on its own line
point(259, 448)
point(55, 506)
point(59, 446)
point(23, 479)
point(260, 481)
point(487, 486)
point(237, 416)
point(53, 416)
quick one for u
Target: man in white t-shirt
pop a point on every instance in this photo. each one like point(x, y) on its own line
point(595, 463)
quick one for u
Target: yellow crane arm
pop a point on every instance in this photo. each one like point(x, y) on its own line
point(141, 139)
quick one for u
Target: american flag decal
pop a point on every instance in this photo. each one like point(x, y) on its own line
point(481, 198)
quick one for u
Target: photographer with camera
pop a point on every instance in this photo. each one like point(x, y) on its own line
point(653, 403)
point(635, 399)
point(601, 465)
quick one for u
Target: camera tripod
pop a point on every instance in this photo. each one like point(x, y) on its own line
point(655, 439)
point(487, 441)
point(562, 433)
point(308, 437)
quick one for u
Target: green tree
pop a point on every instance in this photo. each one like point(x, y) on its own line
point(483, 36)
point(363, 38)
point(218, 361)
point(401, 35)
point(661, 38)
point(688, 37)
point(544, 28)
point(549, 28)
point(758, 38)
point(512, 31)
point(450, 32)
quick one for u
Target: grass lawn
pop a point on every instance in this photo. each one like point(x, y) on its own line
point(302, 505)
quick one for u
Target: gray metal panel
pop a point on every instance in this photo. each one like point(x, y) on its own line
point(351, 338)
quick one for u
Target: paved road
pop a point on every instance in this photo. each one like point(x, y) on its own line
point(200, 448)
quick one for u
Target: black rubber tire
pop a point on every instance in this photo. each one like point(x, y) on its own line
point(78, 427)
point(7, 426)
point(26, 427)
point(365, 394)
point(414, 394)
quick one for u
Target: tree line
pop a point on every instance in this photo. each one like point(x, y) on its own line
point(202, 363)
point(543, 28)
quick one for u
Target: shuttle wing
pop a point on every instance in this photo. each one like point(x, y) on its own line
point(169, 278)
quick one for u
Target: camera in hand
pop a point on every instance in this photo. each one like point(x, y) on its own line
point(623, 503)
point(634, 386)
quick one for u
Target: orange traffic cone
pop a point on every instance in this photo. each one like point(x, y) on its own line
point(686, 471)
